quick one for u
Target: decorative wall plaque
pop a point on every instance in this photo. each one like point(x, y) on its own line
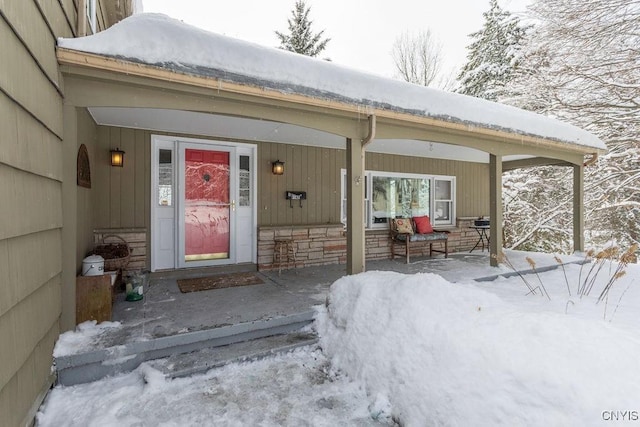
point(84, 170)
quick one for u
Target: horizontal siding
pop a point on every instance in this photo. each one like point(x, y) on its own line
point(27, 263)
point(70, 10)
point(31, 168)
point(61, 21)
point(26, 144)
point(23, 81)
point(8, 292)
point(36, 203)
point(27, 21)
point(21, 327)
point(17, 404)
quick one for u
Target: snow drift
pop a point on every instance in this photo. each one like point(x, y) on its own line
point(451, 354)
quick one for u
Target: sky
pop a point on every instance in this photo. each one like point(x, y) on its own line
point(362, 32)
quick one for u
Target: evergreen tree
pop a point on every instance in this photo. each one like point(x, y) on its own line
point(582, 65)
point(300, 38)
point(493, 55)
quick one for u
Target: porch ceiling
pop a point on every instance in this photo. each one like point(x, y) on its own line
point(221, 126)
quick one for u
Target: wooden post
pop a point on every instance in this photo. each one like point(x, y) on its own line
point(355, 207)
point(578, 208)
point(495, 207)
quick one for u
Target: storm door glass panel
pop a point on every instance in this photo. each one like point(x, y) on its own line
point(207, 207)
point(244, 186)
point(165, 178)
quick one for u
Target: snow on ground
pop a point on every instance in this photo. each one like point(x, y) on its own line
point(82, 339)
point(159, 40)
point(484, 354)
point(295, 389)
point(413, 348)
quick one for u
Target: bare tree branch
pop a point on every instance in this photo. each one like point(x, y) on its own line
point(418, 59)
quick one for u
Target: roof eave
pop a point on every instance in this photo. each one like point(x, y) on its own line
point(74, 58)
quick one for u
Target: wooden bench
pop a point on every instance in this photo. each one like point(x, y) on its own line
point(407, 240)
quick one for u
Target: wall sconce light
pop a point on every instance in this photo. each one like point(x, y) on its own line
point(277, 167)
point(117, 157)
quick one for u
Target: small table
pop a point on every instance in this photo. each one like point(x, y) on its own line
point(482, 233)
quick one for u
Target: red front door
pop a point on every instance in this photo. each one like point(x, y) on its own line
point(207, 208)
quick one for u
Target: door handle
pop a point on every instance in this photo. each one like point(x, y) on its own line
point(233, 205)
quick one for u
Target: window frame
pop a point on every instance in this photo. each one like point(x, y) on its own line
point(343, 198)
point(370, 174)
point(91, 14)
point(451, 200)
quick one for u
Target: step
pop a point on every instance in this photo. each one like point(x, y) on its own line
point(95, 365)
point(201, 361)
point(541, 269)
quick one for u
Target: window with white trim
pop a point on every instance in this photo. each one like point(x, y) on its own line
point(402, 195)
point(343, 204)
point(91, 14)
point(443, 201)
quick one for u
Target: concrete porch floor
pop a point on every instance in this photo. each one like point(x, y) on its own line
point(165, 311)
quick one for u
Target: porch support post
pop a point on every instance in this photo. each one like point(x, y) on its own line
point(495, 207)
point(578, 208)
point(355, 206)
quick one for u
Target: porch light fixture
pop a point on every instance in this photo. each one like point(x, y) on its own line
point(277, 167)
point(117, 157)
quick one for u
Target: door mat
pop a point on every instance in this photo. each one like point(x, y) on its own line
point(218, 282)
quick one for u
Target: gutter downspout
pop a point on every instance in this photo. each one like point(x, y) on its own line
point(372, 132)
point(82, 18)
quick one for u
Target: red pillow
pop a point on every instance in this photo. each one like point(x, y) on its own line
point(423, 224)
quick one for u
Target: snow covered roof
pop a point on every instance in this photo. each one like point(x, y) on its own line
point(158, 40)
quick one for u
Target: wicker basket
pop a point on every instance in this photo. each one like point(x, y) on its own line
point(116, 254)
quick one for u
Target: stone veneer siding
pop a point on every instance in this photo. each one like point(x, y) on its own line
point(313, 244)
point(327, 244)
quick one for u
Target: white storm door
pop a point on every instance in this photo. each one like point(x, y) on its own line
point(246, 235)
point(163, 205)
